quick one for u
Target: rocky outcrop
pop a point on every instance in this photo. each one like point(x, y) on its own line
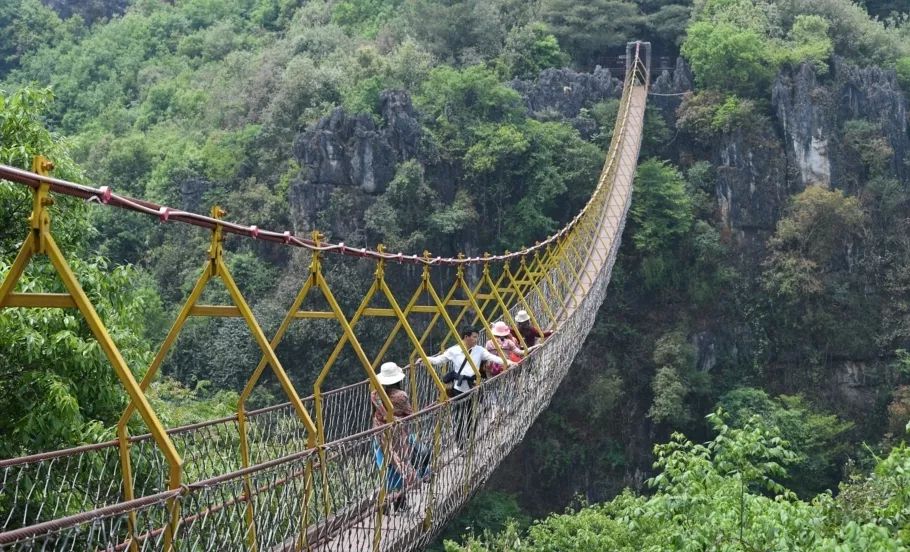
point(354, 156)
point(566, 92)
point(811, 116)
point(668, 86)
point(563, 93)
point(751, 184)
point(759, 168)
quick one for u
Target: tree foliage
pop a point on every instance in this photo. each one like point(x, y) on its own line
point(587, 29)
point(58, 388)
point(727, 494)
point(810, 275)
point(528, 50)
point(818, 440)
point(727, 57)
point(661, 208)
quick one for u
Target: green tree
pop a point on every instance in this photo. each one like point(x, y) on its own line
point(455, 102)
point(460, 31)
point(661, 206)
point(726, 57)
point(816, 298)
point(529, 50)
point(675, 359)
point(726, 494)
point(589, 30)
point(22, 137)
point(58, 388)
point(365, 17)
point(27, 24)
point(819, 440)
point(810, 42)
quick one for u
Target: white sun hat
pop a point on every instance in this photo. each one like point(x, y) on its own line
point(522, 316)
point(500, 329)
point(390, 373)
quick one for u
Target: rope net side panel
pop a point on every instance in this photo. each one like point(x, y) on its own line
point(342, 496)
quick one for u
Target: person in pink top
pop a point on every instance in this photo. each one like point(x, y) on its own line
point(502, 337)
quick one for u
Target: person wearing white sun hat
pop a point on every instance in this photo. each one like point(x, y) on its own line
point(390, 376)
point(401, 472)
point(530, 334)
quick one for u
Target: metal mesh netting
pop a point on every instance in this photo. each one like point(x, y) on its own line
point(347, 494)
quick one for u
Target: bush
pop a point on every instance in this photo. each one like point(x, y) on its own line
point(726, 495)
point(529, 50)
point(809, 42)
point(705, 115)
point(661, 207)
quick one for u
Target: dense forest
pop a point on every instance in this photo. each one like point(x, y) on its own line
point(747, 383)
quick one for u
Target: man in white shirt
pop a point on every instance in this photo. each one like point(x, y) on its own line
point(465, 377)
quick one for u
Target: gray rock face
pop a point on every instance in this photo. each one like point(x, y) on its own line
point(674, 81)
point(873, 93)
point(352, 154)
point(667, 89)
point(812, 115)
point(563, 93)
point(804, 111)
point(759, 168)
point(751, 185)
point(677, 81)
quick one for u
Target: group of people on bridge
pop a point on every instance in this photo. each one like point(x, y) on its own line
point(408, 460)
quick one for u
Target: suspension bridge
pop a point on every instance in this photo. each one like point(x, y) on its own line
point(313, 473)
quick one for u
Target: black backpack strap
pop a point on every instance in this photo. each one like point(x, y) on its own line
point(458, 375)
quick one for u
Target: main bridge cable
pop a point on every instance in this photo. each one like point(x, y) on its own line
point(554, 251)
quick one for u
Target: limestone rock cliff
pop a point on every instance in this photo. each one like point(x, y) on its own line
point(353, 156)
point(812, 114)
point(563, 93)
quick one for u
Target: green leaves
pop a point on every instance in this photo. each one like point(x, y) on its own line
point(727, 57)
point(529, 50)
point(456, 102)
point(586, 28)
point(661, 207)
point(726, 495)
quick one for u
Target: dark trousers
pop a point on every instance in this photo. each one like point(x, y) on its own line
point(463, 417)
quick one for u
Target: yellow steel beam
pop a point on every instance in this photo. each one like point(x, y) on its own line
point(122, 433)
point(425, 309)
point(379, 312)
point(438, 313)
point(40, 300)
point(526, 307)
point(314, 314)
point(216, 311)
point(505, 311)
